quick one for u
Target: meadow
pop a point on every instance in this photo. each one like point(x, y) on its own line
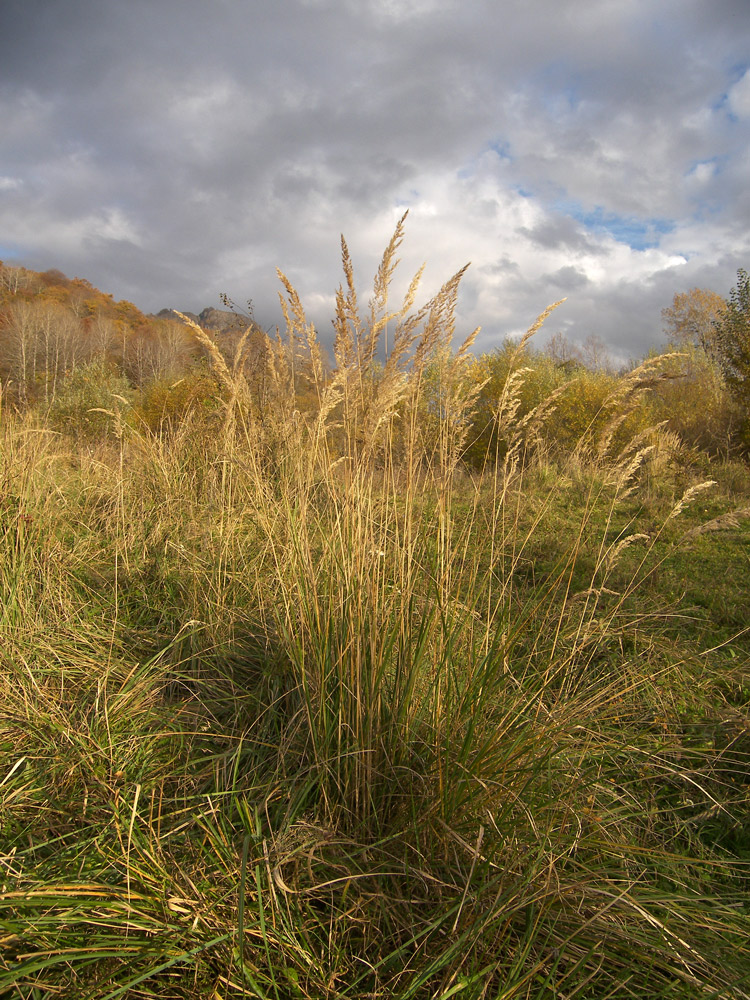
point(297, 702)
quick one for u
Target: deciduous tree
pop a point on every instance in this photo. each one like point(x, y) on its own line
point(18, 347)
point(731, 342)
point(691, 317)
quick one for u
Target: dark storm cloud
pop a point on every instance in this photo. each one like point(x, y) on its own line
point(560, 232)
point(568, 279)
point(170, 151)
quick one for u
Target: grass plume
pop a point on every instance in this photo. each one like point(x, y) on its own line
point(296, 704)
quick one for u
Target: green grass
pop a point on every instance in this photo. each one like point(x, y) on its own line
point(297, 708)
point(551, 812)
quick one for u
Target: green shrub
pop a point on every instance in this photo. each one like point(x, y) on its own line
point(164, 404)
point(539, 379)
point(91, 401)
point(699, 406)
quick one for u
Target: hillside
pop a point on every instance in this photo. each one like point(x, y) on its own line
point(51, 326)
point(20, 284)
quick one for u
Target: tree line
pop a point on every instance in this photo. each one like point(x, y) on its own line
point(75, 354)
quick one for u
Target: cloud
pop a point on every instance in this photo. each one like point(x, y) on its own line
point(738, 97)
point(560, 232)
point(568, 278)
point(169, 152)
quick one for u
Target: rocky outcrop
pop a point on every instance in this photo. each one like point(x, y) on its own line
point(216, 320)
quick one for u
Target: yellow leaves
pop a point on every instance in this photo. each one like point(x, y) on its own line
point(691, 317)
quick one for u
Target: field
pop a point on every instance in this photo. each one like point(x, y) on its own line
point(297, 704)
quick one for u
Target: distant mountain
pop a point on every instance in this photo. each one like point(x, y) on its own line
point(218, 320)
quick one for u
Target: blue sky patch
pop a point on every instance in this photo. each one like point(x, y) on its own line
point(637, 233)
point(8, 254)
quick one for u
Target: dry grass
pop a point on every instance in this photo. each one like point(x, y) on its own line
point(295, 707)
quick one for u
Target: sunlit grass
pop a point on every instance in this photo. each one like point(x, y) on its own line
point(293, 705)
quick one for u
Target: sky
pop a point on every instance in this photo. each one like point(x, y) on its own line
point(173, 150)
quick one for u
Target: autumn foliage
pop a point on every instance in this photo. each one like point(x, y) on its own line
point(67, 347)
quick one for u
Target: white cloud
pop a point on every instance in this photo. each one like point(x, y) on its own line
point(702, 173)
point(739, 97)
point(169, 154)
point(113, 224)
point(401, 10)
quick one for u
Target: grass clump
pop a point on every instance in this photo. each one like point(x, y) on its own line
point(296, 703)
